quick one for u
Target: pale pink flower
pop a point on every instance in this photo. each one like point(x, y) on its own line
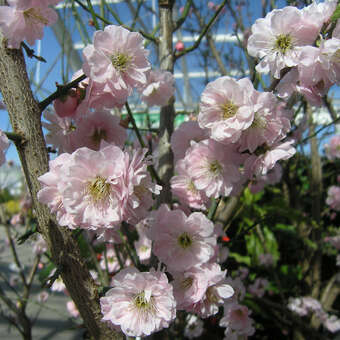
point(270, 123)
point(333, 197)
point(183, 187)
point(94, 127)
point(137, 197)
point(61, 132)
point(42, 297)
point(4, 144)
point(226, 108)
point(179, 241)
point(214, 167)
point(50, 193)
point(332, 323)
point(183, 135)
point(143, 246)
point(189, 287)
point(179, 46)
point(58, 284)
point(258, 288)
point(216, 293)
point(92, 187)
point(238, 286)
point(16, 219)
point(117, 58)
point(236, 319)
point(303, 306)
point(72, 309)
point(334, 241)
point(194, 327)
point(141, 303)
point(40, 245)
point(66, 106)
point(278, 39)
point(25, 20)
point(111, 260)
point(158, 88)
point(333, 148)
point(260, 165)
point(273, 176)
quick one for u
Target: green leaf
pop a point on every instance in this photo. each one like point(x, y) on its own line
point(336, 14)
point(240, 258)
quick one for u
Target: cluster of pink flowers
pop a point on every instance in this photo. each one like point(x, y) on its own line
point(240, 136)
point(286, 38)
point(333, 198)
point(25, 20)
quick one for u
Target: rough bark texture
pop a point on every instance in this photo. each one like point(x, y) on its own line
point(25, 116)
point(167, 115)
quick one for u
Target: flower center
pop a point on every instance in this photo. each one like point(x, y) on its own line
point(141, 302)
point(258, 122)
point(33, 15)
point(98, 189)
point(184, 240)
point(144, 249)
point(283, 43)
point(228, 110)
point(215, 167)
point(98, 135)
point(191, 187)
point(140, 191)
point(120, 61)
point(211, 296)
point(187, 283)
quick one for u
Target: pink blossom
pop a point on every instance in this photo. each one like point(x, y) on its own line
point(143, 245)
point(304, 305)
point(58, 284)
point(179, 46)
point(50, 192)
point(183, 135)
point(158, 88)
point(333, 197)
point(182, 242)
point(332, 323)
point(260, 165)
point(273, 176)
point(25, 20)
point(236, 319)
point(117, 58)
point(72, 309)
point(61, 132)
point(42, 297)
point(270, 123)
point(334, 241)
point(4, 144)
point(111, 260)
point(194, 327)
point(258, 287)
point(66, 106)
point(92, 189)
point(333, 148)
point(140, 303)
point(216, 293)
point(96, 126)
point(213, 167)
point(40, 245)
point(226, 108)
point(183, 187)
point(278, 39)
point(189, 287)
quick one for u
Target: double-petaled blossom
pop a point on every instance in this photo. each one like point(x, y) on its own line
point(333, 197)
point(140, 303)
point(226, 108)
point(183, 136)
point(332, 149)
point(25, 20)
point(182, 241)
point(117, 60)
point(158, 88)
point(214, 167)
point(277, 39)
